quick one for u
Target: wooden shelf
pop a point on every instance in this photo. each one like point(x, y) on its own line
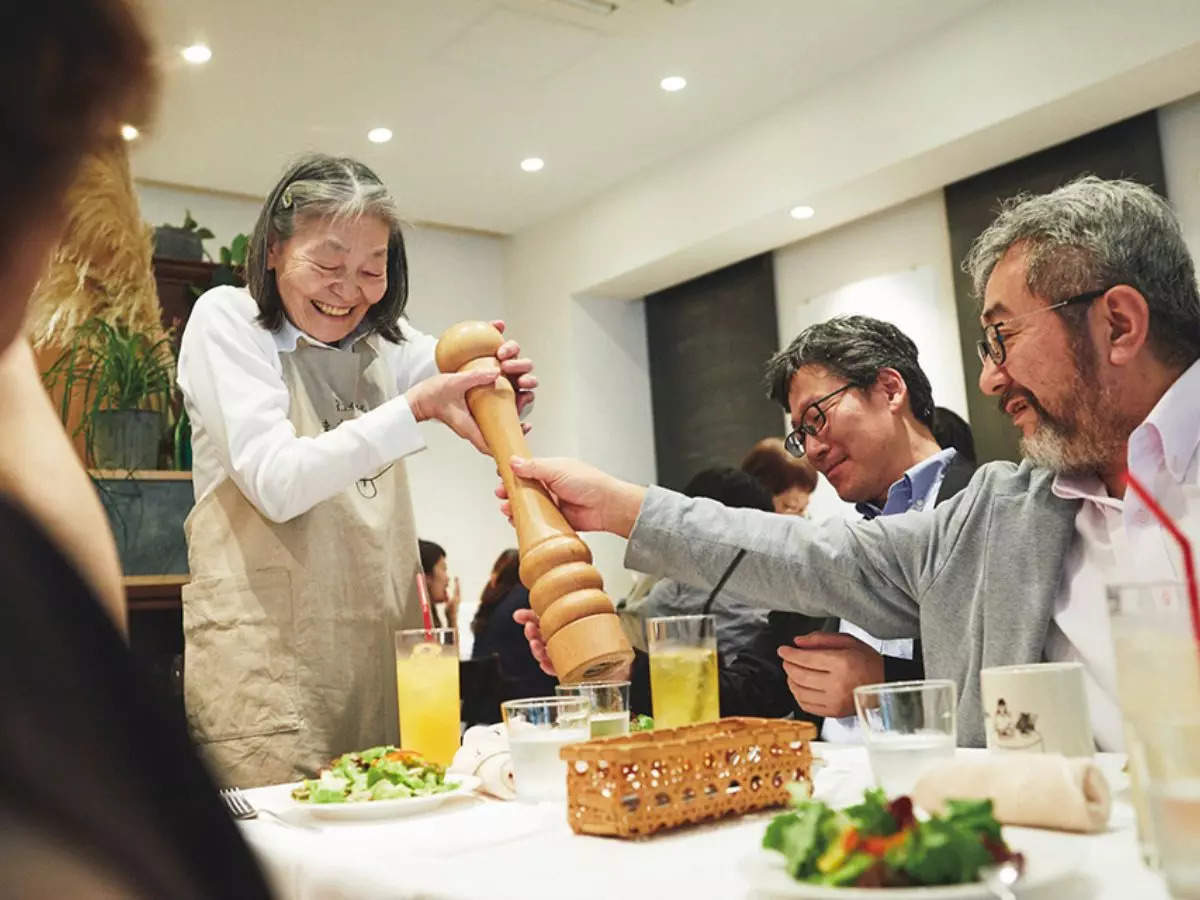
point(142, 474)
point(147, 592)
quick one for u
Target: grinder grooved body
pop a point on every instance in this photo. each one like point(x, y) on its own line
point(582, 633)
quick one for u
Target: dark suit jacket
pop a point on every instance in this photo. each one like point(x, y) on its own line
point(520, 674)
point(754, 684)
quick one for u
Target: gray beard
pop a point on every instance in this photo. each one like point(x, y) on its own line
point(1085, 443)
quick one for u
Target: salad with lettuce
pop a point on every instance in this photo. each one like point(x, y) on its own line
point(878, 843)
point(379, 773)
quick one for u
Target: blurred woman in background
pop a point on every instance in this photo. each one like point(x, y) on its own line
point(496, 634)
point(790, 481)
point(443, 590)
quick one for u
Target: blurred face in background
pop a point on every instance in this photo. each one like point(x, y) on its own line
point(439, 581)
point(792, 502)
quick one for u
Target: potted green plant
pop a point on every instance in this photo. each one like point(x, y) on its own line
point(125, 382)
point(184, 241)
point(231, 263)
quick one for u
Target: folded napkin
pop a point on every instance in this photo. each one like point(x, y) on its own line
point(484, 753)
point(1039, 790)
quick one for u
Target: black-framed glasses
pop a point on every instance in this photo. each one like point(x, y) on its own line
point(812, 420)
point(991, 345)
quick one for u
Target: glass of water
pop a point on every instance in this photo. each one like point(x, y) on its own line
point(909, 727)
point(1170, 764)
point(537, 729)
point(609, 701)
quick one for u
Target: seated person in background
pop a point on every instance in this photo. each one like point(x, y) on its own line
point(789, 479)
point(951, 430)
point(737, 624)
point(496, 634)
point(443, 590)
point(866, 403)
point(101, 794)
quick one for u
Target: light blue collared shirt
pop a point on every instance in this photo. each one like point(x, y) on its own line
point(915, 489)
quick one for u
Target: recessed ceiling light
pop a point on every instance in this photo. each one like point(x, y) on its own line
point(379, 135)
point(802, 212)
point(129, 132)
point(533, 164)
point(197, 53)
point(673, 83)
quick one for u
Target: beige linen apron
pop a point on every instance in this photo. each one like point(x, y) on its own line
point(288, 627)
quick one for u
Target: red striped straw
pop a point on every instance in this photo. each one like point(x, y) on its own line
point(426, 614)
point(1185, 546)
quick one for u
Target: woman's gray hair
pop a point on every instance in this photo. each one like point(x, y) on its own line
point(1092, 234)
point(316, 186)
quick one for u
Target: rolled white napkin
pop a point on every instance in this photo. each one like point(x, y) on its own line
point(484, 753)
point(1034, 789)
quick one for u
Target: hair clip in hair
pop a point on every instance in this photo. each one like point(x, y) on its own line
point(285, 199)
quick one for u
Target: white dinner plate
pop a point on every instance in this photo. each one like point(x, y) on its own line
point(386, 809)
point(1049, 856)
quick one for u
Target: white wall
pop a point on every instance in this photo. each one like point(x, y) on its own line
point(1179, 130)
point(456, 276)
point(612, 399)
point(894, 265)
point(453, 276)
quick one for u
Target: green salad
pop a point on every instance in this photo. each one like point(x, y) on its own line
point(882, 844)
point(380, 773)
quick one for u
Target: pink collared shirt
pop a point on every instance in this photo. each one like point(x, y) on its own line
point(1119, 540)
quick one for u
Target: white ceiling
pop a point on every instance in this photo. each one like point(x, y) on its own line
point(470, 87)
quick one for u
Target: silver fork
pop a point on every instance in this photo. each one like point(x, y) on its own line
point(240, 807)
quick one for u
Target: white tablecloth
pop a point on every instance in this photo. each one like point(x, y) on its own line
point(477, 848)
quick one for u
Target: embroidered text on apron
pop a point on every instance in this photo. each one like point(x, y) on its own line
point(288, 627)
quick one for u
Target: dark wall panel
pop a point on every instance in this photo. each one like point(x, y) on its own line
point(708, 340)
point(1128, 149)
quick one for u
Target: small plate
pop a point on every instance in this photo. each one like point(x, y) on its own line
point(385, 809)
point(1049, 856)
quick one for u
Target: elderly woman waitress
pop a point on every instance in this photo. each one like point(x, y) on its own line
point(304, 393)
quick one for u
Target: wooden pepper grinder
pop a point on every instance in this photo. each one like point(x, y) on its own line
point(579, 625)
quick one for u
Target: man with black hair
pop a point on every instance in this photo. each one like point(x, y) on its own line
point(865, 424)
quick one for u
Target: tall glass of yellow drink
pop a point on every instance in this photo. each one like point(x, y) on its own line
point(683, 670)
point(427, 692)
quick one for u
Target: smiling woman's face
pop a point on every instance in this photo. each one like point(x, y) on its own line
point(330, 273)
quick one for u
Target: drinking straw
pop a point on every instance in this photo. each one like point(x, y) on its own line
point(1185, 546)
point(426, 614)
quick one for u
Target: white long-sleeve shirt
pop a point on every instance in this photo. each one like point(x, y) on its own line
point(231, 378)
point(1119, 540)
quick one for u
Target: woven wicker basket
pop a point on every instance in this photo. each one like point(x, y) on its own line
point(641, 783)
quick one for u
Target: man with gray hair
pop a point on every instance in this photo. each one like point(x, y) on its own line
point(1011, 570)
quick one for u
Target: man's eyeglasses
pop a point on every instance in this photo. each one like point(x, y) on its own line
point(811, 422)
point(991, 345)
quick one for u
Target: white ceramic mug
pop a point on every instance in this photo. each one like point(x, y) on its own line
point(1038, 707)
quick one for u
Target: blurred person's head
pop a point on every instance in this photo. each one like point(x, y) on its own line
point(433, 564)
point(859, 402)
point(951, 430)
point(730, 486)
point(72, 72)
point(1109, 260)
point(505, 576)
point(327, 252)
point(789, 480)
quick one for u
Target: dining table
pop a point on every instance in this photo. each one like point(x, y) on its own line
point(474, 846)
